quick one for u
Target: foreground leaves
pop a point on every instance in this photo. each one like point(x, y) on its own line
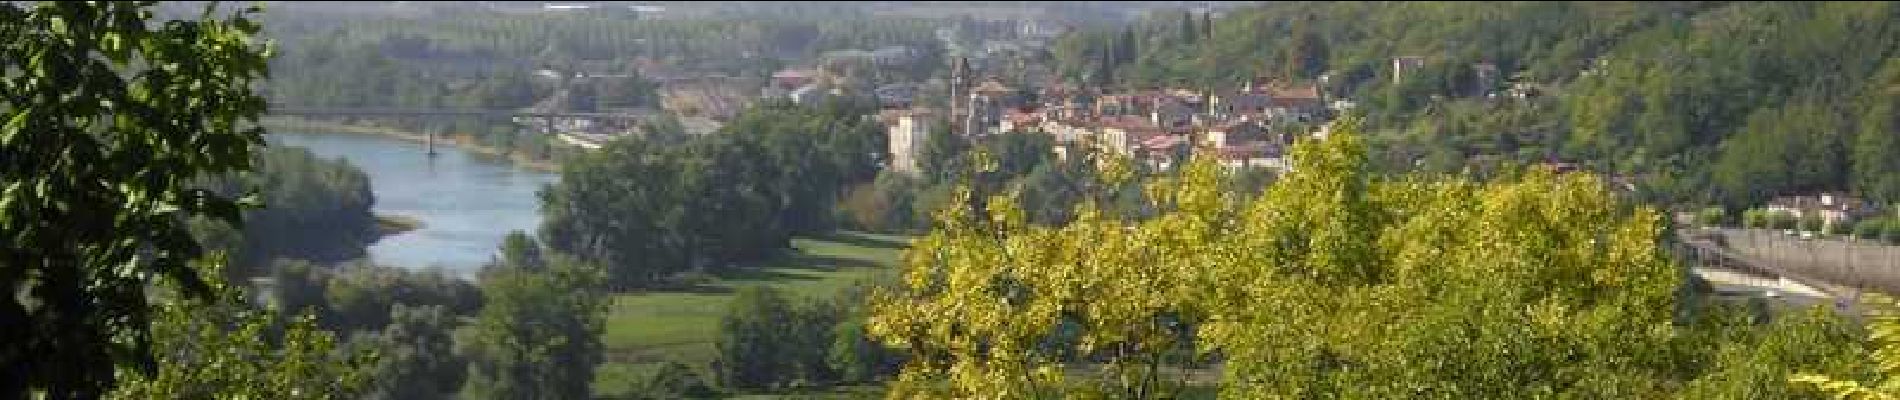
point(1331, 284)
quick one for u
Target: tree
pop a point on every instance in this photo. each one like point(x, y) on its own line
point(1331, 284)
point(938, 158)
point(674, 380)
point(417, 357)
point(1306, 56)
point(1711, 216)
point(221, 348)
point(537, 335)
point(109, 119)
point(755, 344)
point(1883, 330)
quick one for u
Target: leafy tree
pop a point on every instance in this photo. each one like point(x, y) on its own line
point(1711, 216)
point(757, 341)
point(648, 210)
point(221, 348)
point(938, 156)
point(109, 118)
point(1870, 228)
point(417, 357)
point(1755, 218)
point(673, 380)
point(1882, 329)
point(537, 335)
point(316, 209)
point(1331, 284)
point(883, 205)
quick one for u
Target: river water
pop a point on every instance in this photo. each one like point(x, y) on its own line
point(465, 201)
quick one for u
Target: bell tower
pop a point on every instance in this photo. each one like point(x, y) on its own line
point(959, 93)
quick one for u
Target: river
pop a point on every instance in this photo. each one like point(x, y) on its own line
point(465, 201)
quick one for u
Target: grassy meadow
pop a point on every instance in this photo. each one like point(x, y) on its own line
point(649, 328)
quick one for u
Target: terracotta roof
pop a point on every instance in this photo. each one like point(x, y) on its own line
point(1126, 122)
point(1162, 142)
point(1018, 117)
point(1303, 92)
point(1255, 149)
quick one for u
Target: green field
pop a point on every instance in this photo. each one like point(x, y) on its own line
point(645, 329)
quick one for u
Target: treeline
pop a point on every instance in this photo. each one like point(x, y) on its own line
point(1701, 102)
point(468, 60)
point(313, 209)
point(652, 207)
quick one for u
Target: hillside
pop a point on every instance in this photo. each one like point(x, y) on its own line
point(1701, 102)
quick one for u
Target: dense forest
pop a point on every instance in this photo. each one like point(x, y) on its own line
point(1726, 103)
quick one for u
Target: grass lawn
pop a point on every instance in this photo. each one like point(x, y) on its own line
point(645, 329)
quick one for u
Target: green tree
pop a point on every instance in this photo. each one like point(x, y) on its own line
point(107, 118)
point(673, 380)
point(1883, 331)
point(221, 348)
point(537, 335)
point(755, 342)
point(1333, 283)
point(417, 357)
point(939, 155)
point(1711, 216)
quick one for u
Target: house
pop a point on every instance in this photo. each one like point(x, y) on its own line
point(906, 137)
point(1236, 132)
point(1302, 103)
point(1487, 78)
point(1020, 120)
point(1122, 133)
point(1161, 151)
point(985, 107)
point(1238, 104)
point(791, 79)
point(1406, 65)
point(808, 94)
point(1246, 143)
point(896, 95)
point(1256, 154)
point(1831, 208)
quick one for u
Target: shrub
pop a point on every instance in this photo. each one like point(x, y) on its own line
point(1869, 229)
point(1781, 220)
point(1712, 216)
point(1755, 218)
point(1812, 223)
point(674, 380)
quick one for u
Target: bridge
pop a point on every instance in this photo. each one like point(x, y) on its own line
point(306, 111)
point(547, 119)
point(1800, 270)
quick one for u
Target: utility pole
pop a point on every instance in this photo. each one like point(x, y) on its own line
point(428, 142)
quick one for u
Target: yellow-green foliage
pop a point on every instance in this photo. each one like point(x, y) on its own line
point(1331, 284)
point(1883, 329)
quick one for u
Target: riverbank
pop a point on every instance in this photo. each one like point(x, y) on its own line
point(462, 141)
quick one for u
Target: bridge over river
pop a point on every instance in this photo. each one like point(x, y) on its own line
point(1799, 270)
point(305, 111)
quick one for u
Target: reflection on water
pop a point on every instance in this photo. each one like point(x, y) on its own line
point(466, 201)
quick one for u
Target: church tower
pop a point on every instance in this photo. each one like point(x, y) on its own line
point(959, 93)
